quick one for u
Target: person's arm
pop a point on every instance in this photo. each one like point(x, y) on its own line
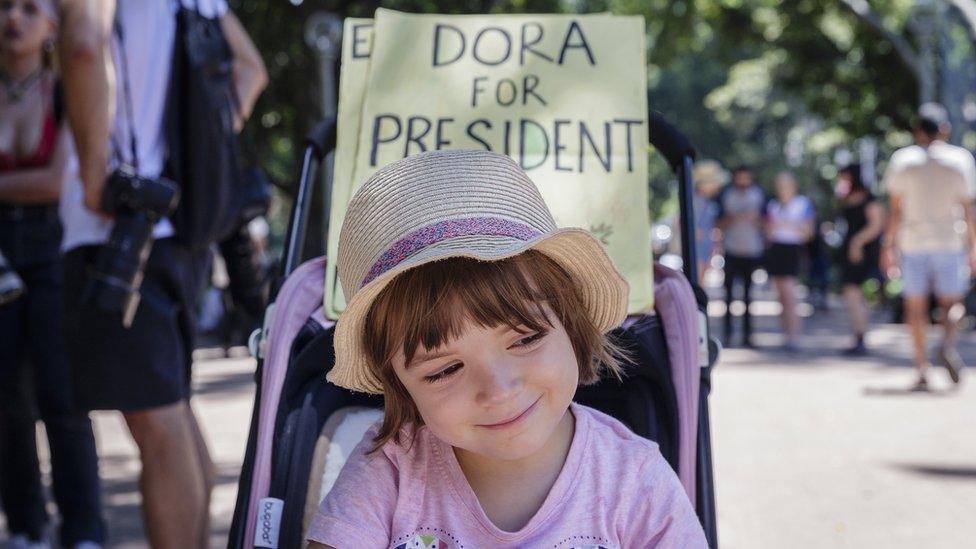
point(809, 226)
point(721, 216)
point(874, 212)
point(889, 256)
point(967, 207)
point(37, 185)
point(966, 198)
point(88, 77)
point(250, 74)
point(358, 510)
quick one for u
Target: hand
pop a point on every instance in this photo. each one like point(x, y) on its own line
point(238, 122)
point(94, 186)
point(889, 262)
point(855, 253)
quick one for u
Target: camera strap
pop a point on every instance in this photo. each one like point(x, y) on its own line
point(126, 97)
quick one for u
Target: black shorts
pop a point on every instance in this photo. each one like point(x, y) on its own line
point(859, 273)
point(148, 364)
point(783, 259)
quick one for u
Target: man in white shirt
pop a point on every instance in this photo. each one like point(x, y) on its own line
point(143, 370)
point(931, 186)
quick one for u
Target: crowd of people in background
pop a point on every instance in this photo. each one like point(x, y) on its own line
point(924, 238)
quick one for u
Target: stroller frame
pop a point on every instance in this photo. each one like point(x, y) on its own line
point(680, 155)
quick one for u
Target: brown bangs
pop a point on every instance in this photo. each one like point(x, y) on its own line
point(430, 305)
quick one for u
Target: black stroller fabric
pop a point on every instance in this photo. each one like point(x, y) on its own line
point(644, 400)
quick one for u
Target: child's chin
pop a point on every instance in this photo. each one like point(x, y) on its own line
point(514, 451)
point(514, 446)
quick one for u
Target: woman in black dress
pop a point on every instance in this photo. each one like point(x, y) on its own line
point(864, 215)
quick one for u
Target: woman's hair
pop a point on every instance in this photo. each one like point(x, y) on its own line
point(857, 182)
point(432, 304)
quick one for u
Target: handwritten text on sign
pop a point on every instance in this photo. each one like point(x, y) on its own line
point(566, 143)
point(565, 96)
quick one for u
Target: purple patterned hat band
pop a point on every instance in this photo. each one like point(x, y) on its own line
point(423, 237)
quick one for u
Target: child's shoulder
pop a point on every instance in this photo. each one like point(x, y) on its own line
point(413, 449)
point(614, 440)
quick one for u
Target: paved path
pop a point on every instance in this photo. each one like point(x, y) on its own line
point(810, 450)
point(814, 450)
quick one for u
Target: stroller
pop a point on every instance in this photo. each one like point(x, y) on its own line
point(303, 427)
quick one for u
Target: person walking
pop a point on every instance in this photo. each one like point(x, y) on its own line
point(740, 217)
point(789, 226)
point(34, 148)
point(709, 178)
point(930, 236)
point(121, 54)
point(861, 250)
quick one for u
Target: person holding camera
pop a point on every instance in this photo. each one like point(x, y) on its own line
point(34, 148)
point(130, 279)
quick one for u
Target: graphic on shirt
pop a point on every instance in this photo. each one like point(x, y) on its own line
point(423, 542)
point(433, 542)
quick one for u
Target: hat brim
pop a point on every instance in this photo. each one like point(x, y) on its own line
point(603, 289)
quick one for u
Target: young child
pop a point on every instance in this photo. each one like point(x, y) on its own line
point(477, 319)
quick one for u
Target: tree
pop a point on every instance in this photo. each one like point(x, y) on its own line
point(746, 79)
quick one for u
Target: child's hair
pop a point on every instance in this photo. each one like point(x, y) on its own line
point(430, 305)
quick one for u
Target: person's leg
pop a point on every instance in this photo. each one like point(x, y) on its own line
point(20, 481)
point(915, 276)
point(193, 268)
point(950, 313)
point(917, 318)
point(778, 287)
point(74, 461)
point(207, 469)
point(749, 267)
point(858, 311)
point(731, 265)
point(789, 309)
point(171, 480)
point(786, 287)
point(951, 284)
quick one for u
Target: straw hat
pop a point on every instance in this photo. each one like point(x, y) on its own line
point(457, 203)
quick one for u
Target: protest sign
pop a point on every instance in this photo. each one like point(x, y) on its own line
point(563, 95)
point(357, 43)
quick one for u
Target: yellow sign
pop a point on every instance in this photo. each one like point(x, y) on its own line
point(563, 95)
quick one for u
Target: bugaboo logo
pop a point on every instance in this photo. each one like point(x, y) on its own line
point(268, 524)
point(266, 521)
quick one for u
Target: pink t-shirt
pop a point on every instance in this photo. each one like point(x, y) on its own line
point(615, 491)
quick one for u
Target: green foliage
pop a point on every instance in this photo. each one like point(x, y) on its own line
point(745, 79)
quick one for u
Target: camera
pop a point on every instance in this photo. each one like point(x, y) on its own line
point(11, 285)
point(116, 275)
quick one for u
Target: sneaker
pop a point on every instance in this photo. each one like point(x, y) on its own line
point(858, 349)
point(21, 541)
point(949, 357)
point(921, 385)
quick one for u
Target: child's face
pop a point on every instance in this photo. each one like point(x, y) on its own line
point(494, 392)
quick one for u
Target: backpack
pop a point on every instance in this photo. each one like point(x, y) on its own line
point(203, 151)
